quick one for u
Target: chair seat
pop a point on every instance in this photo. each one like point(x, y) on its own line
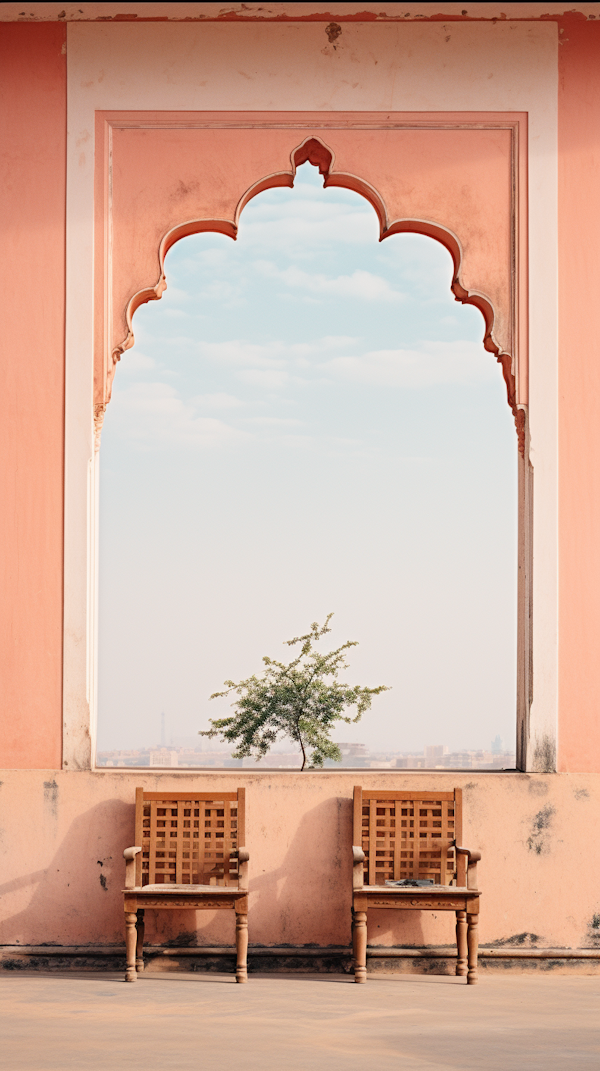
point(410, 890)
point(166, 890)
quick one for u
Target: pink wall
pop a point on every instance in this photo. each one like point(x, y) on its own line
point(63, 871)
point(33, 140)
point(66, 831)
point(579, 396)
point(33, 75)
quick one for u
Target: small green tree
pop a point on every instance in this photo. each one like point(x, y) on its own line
point(301, 700)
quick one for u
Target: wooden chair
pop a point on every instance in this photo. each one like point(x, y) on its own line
point(190, 854)
point(413, 835)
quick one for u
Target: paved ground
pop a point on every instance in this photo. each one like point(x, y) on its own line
point(93, 1022)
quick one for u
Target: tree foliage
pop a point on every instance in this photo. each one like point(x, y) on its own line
point(300, 700)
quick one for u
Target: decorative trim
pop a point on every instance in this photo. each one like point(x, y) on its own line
point(316, 152)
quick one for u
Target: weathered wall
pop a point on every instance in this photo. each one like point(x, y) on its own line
point(32, 284)
point(579, 393)
point(64, 834)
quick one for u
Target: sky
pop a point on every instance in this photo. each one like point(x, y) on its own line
point(308, 423)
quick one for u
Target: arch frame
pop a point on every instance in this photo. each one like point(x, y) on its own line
point(313, 140)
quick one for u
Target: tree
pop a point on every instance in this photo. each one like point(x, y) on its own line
point(301, 700)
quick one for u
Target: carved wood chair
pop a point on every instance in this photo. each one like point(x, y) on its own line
point(190, 854)
point(413, 835)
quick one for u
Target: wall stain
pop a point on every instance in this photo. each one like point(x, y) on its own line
point(544, 756)
point(593, 931)
point(51, 797)
point(581, 794)
point(103, 882)
point(333, 31)
point(538, 839)
point(538, 788)
point(184, 189)
point(516, 940)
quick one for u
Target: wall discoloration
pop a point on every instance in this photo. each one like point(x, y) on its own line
point(581, 794)
point(299, 834)
point(593, 930)
point(51, 797)
point(539, 840)
point(516, 940)
point(538, 788)
point(544, 755)
point(333, 31)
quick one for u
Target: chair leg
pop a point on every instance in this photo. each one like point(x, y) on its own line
point(359, 945)
point(473, 943)
point(241, 944)
point(461, 943)
point(130, 942)
point(139, 946)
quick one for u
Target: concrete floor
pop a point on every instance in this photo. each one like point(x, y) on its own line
point(90, 1022)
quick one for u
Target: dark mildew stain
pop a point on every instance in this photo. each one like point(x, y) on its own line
point(581, 794)
point(333, 31)
point(538, 788)
point(593, 932)
point(516, 940)
point(186, 939)
point(538, 840)
point(103, 882)
point(544, 756)
point(51, 797)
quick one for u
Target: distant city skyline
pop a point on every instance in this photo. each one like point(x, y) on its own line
point(211, 753)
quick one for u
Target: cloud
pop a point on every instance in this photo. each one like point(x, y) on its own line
point(266, 378)
point(153, 414)
point(276, 422)
point(303, 225)
point(217, 401)
point(240, 352)
point(362, 285)
point(133, 361)
point(275, 354)
point(434, 364)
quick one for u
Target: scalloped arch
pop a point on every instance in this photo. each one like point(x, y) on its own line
point(315, 151)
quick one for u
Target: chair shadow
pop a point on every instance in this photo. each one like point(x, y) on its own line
point(303, 901)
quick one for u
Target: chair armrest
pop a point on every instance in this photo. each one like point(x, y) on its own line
point(129, 856)
point(243, 856)
point(472, 861)
point(358, 858)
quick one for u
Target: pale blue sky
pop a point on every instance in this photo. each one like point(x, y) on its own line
point(308, 422)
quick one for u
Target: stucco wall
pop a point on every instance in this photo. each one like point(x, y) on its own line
point(579, 394)
point(33, 87)
point(64, 834)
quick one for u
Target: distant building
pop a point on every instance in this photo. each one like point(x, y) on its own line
point(164, 757)
point(353, 750)
point(434, 753)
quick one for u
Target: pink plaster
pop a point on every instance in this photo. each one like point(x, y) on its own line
point(579, 393)
point(32, 268)
point(64, 832)
point(160, 177)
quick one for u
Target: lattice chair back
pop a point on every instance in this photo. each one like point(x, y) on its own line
point(408, 834)
point(189, 838)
